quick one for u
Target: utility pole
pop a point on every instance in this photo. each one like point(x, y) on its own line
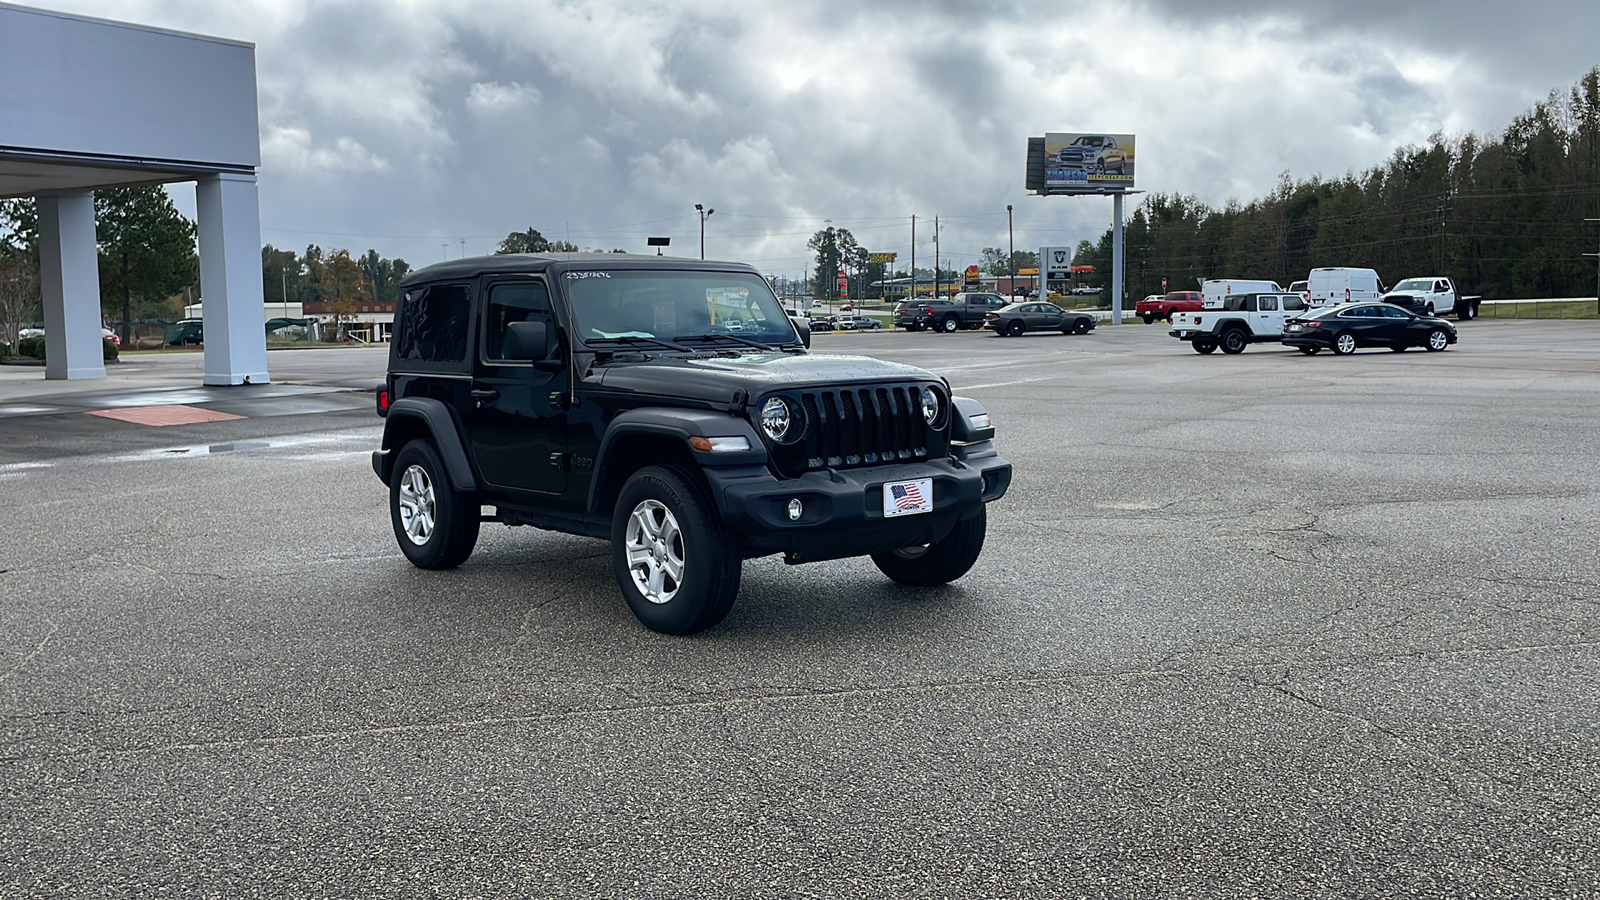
point(1011, 258)
point(936, 285)
point(1596, 256)
point(913, 257)
point(127, 308)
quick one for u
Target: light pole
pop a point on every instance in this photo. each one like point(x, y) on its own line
point(704, 215)
point(285, 280)
point(1011, 260)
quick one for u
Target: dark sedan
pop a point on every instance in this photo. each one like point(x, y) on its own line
point(1349, 326)
point(1021, 318)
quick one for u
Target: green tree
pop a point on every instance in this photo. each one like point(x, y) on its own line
point(531, 241)
point(147, 252)
point(384, 275)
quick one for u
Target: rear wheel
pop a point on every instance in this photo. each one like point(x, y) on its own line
point(941, 562)
point(435, 525)
point(1016, 328)
point(1344, 343)
point(1311, 351)
point(676, 562)
point(1234, 340)
point(1149, 318)
point(1081, 327)
point(1438, 339)
point(1204, 346)
point(950, 325)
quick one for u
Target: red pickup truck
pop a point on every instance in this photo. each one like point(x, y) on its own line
point(1162, 306)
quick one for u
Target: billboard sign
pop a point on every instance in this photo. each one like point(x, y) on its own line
point(1088, 162)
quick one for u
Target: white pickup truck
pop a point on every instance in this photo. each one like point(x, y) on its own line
point(1244, 319)
point(1432, 295)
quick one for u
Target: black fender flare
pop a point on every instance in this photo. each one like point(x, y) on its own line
point(442, 426)
point(681, 425)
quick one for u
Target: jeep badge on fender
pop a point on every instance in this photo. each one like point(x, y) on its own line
point(671, 407)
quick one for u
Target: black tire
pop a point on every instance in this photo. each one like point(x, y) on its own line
point(1149, 318)
point(1016, 328)
point(1311, 351)
point(435, 525)
point(1234, 340)
point(1081, 327)
point(1464, 311)
point(1438, 339)
point(941, 562)
point(696, 542)
point(1400, 348)
point(1206, 347)
point(950, 325)
point(1428, 309)
point(1343, 347)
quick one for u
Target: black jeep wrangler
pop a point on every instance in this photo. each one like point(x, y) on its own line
point(671, 407)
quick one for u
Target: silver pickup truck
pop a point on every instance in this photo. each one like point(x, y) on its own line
point(1241, 320)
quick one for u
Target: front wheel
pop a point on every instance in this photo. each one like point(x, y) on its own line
point(1344, 344)
point(435, 525)
point(1438, 340)
point(1205, 346)
point(941, 562)
point(674, 559)
point(950, 325)
point(1082, 327)
point(1149, 318)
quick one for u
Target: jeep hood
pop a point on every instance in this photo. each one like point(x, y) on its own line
point(715, 380)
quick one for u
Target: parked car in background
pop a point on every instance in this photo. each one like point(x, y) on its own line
point(856, 322)
point(964, 310)
point(1020, 318)
point(1162, 306)
point(1335, 285)
point(107, 334)
point(1349, 326)
point(1299, 287)
point(186, 331)
point(820, 322)
point(1432, 295)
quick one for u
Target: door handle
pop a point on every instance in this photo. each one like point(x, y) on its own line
point(485, 395)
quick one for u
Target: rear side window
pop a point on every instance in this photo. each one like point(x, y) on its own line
point(1294, 302)
point(434, 324)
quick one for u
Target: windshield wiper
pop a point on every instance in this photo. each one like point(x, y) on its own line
point(634, 340)
point(721, 335)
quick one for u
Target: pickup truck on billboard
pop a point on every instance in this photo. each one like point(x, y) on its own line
point(1091, 161)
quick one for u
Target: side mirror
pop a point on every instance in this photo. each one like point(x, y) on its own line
point(528, 341)
point(802, 324)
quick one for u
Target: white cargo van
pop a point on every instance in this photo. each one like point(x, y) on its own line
point(1333, 286)
point(1213, 290)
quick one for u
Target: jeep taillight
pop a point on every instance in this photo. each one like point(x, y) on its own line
point(383, 401)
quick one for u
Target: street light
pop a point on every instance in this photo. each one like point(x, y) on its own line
point(1011, 260)
point(704, 215)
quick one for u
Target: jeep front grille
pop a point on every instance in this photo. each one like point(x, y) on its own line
point(863, 426)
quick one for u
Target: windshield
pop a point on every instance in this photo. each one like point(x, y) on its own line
point(1415, 284)
point(619, 305)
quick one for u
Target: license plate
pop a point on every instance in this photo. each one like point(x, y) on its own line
point(1184, 333)
point(1294, 327)
point(907, 498)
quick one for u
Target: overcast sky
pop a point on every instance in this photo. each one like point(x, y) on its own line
point(425, 127)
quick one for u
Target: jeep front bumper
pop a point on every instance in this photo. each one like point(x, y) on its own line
point(842, 510)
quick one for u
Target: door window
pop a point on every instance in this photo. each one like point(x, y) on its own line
point(434, 324)
point(513, 301)
point(1267, 304)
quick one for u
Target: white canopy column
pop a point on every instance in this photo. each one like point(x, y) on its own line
point(69, 281)
point(228, 210)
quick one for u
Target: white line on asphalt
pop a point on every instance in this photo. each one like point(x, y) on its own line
point(977, 387)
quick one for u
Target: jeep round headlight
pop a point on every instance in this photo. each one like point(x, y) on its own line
point(930, 405)
point(776, 419)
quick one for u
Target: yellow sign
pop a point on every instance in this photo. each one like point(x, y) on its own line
point(882, 257)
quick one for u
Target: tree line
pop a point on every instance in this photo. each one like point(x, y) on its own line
point(1502, 214)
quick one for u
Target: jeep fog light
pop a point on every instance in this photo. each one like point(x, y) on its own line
point(719, 444)
point(776, 420)
point(795, 509)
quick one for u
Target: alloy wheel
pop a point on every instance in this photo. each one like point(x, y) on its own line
point(417, 505)
point(654, 546)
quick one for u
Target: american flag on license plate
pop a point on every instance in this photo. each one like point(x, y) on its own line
point(906, 496)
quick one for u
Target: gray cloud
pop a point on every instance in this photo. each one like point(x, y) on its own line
point(604, 121)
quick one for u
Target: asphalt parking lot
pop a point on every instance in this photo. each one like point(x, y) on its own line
point(1254, 625)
